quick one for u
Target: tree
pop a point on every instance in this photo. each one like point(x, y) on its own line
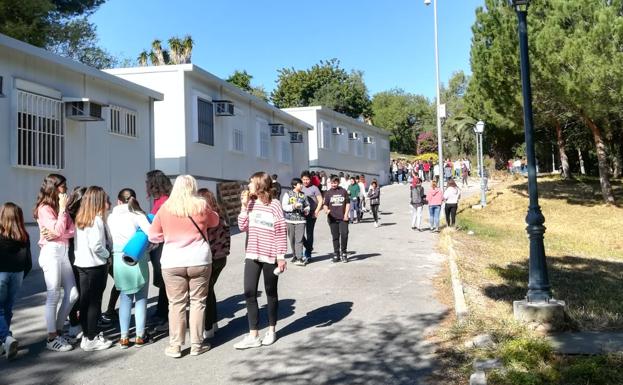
point(60, 26)
point(179, 52)
point(392, 109)
point(458, 127)
point(242, 80)
point(324, 84)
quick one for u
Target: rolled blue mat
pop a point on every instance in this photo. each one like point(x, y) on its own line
point(135, 249)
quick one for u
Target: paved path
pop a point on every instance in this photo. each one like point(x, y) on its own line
point(358, 323)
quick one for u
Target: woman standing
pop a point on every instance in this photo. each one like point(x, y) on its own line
point(181, 223)
point(15, 263)
point(434, 198)
point(91, 263)
point(220, 241)
point(56, 228)
point(73, 205)
point(451, 197)
point(262, 218)
point(417, 204)
point(132, 281)
point(159, 187)
point(353, 193)
point(374, 197)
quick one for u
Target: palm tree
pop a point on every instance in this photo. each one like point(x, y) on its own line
point(188, 48)
point(175, 45)
point(143, 58)
point(156, 49)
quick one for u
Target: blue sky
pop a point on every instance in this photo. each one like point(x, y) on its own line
point(391, 41)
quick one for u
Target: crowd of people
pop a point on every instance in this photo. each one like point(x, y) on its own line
point(403, 171)
point(84, 238)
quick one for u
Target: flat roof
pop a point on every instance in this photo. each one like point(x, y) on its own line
point(341, 116)
point(40, 53)
point(205, 75)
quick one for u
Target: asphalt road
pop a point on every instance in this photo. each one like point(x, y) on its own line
point(358, 323)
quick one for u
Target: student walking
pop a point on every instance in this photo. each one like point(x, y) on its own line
point(159, 187)
point(220, 242)
point(337, 206)
point(295, 210)
point(434, 199)
point(314, 198)
point(353, 193)
point(15, 263)
point(374, 197)
point(56, 228)
point(418, 199)
point(126, 219)
point(91, 263)
point(186, 261)
point(465, 174)
point(451, 196)
point(73, 205)
point(262, 218)
point(363, 204)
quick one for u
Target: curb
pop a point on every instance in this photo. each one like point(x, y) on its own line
point(460, 306)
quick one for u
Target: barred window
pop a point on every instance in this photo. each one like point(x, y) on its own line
point(122, 122)
point(263, 139)
point(325, 135)
point(286, 151)
point(237, 143)
point(205, 122)
point(40, 131)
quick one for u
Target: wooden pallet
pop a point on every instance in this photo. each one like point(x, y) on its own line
point(228, 195)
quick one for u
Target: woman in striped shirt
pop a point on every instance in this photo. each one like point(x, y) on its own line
point(261, 217)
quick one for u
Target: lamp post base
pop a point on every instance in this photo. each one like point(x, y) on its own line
point(546, 316)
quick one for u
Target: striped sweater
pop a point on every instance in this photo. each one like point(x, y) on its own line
point(266, 230)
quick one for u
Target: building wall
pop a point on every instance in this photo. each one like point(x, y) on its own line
point(93, 155)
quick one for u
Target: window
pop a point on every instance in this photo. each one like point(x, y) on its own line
point(286, 150)
point(122, 122)
point(343, 142)
point(237, 139)
point(359, 147)
point(371, 151)
point(325, 134)
point(263, 139)
point(40, 132)
point(205, 122)
point(1, 87)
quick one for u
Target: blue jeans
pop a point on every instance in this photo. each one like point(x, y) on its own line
point(140, 311)
point(9, 286)
point(353, 215)
point(433, 213)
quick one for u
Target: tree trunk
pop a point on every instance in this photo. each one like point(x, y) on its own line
point(616, 160)
point(582, 169)
point(564, 160)
point(602, 160)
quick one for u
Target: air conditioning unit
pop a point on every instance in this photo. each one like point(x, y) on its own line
point(224, 107)
point(277, 129)
point(337, 131)
point(368, 140)
point(83, 109)
point(353, 136)
point(296, 137)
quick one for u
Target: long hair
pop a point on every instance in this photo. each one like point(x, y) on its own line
point(12, 222)
point(157, 184)
point(184, 201)
point(263, 186)
point(93, 204)
point(73, 203)
point(128, 196)
point(48, 192)
point(212, 201)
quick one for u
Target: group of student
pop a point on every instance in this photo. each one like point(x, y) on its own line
point(82, 241)
point(434, 198)
point(403, 171)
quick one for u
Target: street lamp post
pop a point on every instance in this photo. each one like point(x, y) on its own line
point(439, 137)
point(538, 282)
point(480, 129)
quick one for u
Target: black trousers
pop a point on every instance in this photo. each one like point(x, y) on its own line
point(162, 308)
point(211, 316)
point(73, 314)
point(451, 213)
point(308, 240)
point(114, 293)
point(375, 212)
point(92, 286)
point(339, 233)
point(252, 271)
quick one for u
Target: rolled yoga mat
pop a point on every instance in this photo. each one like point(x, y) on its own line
point(135, 249)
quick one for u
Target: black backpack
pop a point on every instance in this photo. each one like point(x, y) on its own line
point(416, 195)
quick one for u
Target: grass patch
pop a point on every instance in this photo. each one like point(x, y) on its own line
point(585, 264)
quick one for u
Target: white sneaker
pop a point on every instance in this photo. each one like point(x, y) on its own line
point(269, 338)
point(59, 344)
point(97, 343)
point(248, 342)
point(376, 224)
point(10, 346)
point(75, 332)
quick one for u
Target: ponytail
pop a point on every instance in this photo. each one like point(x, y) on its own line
point(128, 196)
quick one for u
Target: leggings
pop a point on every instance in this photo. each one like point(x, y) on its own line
point(451, 213)
point(92, 286)
point(140, 310)
point(252, 271)
point(57, 272)
point(375, 212)
point(73, 314)
point(211, 316)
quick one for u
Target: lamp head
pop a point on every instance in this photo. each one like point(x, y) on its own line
point(427, 2)
point(519, 4)
point(480, 127)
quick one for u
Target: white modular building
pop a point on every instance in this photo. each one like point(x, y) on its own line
point(211, 129)
point(339, 143)
point(60, 116)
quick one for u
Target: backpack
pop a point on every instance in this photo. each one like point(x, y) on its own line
point(416, 195)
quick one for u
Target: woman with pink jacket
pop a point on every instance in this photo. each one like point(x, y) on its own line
point(434, 198)
point(56, 228)
point(182, 223)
